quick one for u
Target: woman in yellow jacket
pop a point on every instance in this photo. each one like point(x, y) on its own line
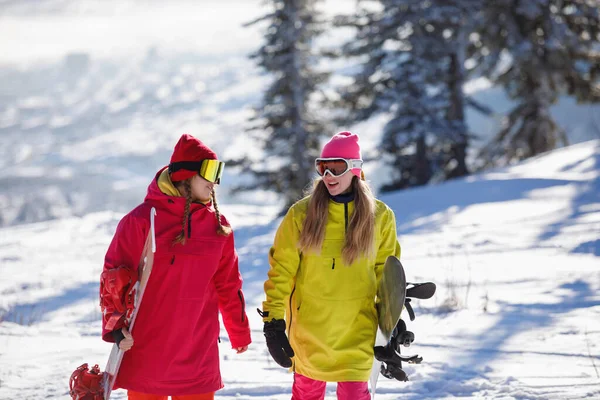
point(325, 264)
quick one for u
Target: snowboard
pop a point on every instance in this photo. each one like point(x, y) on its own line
point(145, 268)
point(391, 294)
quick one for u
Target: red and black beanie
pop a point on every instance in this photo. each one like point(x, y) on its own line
point(188, 148)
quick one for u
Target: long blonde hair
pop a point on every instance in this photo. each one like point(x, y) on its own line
point(185, 187)
point(360, 236)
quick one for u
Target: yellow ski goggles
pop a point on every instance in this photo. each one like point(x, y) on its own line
point(211, 170)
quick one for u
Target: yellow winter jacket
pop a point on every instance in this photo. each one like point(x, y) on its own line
point(329, 307)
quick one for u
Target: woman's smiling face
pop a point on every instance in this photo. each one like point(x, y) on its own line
point(338, 185)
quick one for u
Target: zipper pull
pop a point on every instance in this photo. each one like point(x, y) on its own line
point(189, 225)
point(333, 265)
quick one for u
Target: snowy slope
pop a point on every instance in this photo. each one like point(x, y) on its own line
point(515, 253)
point(94, 94)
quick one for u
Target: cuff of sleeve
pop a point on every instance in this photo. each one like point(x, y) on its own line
point(108, 337)
point(107, 333)
point(240, 340)
point(272, 314)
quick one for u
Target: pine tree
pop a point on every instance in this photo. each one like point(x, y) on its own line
point(412, 71)
point(284, 122)
point(538, 50)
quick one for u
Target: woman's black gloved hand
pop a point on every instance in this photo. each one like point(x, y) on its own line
point(278, 343)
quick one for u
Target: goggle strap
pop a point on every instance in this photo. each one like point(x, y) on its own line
point(356, 163)
point(187, 165)
point(353, 163)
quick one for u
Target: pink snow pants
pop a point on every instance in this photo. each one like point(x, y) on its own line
point(309, 389)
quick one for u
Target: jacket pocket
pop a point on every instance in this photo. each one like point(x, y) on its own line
point(194, 276)
point(196, 263)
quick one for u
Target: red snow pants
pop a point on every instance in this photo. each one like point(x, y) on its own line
point(131, 395)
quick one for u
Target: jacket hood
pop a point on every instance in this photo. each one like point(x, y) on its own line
point(162, 193)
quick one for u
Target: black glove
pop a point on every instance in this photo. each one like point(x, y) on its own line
point(278, 343)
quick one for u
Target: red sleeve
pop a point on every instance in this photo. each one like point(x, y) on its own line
point(125, 250)
point(228, 282)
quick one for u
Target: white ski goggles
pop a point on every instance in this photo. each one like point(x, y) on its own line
point(336, 166)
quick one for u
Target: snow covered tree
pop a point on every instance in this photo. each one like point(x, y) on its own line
point(284, 123)
point(412, 55)
point(538, 50)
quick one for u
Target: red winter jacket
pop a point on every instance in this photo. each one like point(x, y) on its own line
point(176, 332)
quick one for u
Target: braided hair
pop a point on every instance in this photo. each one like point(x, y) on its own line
point(223, 230)
point(187, 190)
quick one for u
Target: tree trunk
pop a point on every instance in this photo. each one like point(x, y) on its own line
point(458, 150)
point(422, 170)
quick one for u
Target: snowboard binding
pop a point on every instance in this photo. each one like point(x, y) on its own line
point(390, 354)
point(86, 383)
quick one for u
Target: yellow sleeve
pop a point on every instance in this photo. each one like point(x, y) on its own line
point(389, 245)
point(284, 260)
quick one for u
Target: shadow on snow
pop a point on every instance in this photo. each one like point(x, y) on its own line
point(515, 319)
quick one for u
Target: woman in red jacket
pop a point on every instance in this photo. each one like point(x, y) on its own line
point(194, 275)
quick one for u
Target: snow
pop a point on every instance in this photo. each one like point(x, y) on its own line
point(514, 251)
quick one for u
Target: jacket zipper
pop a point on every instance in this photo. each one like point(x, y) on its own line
point(189, 224)
point(333, 265)
point(346, 216)
point(345, 226)
point(241, 296)
point(290, 324)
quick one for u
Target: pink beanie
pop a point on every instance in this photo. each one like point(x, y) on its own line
point(343, 145)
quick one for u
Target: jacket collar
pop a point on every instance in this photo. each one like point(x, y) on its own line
point(166, 185)
point(161, 189)
point(344, 198)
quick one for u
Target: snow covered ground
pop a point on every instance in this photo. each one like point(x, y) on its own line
point(515, 253)
point(94, 94)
